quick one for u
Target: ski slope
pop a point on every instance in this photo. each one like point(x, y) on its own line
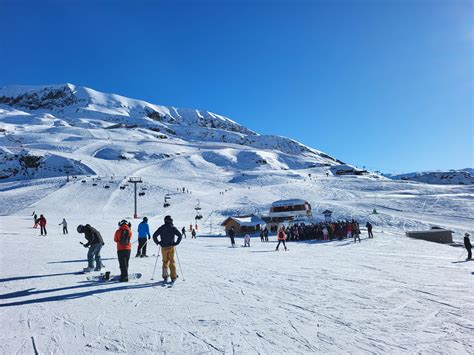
point(389, 294)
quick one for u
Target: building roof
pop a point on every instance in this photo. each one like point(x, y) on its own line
point(291, 202)
point(245, 221)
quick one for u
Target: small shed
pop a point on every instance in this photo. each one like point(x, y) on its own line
point(243, 224)
point(437, 235)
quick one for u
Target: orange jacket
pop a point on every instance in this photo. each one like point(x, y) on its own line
point(118, 233)
point(281, 235)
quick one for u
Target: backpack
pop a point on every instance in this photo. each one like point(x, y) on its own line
point(124, 237)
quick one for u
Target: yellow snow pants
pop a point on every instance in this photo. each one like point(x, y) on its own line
point(168, 261)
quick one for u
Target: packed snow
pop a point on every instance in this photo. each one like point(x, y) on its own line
point(387, 294)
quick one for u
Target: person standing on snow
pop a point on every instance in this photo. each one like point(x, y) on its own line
point(122, 237)
point(183, 232)
point(468, 246)
point(231, 234)
point(193, 234)
point(265, 234)
point(42, 223)
point(167, 232)
point(64, 224)
point(369, 229)
point(35, 219)
point(325, 233)
point(262, 237)
point(95, 244)
point(247, 240)
point(281, 238)
point(355, 231)
point(143, 233)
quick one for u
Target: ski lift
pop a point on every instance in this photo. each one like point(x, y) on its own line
point(94, 184)
point(141, 194)
point(83, 181)
point(198, 213)
point(166, 204)
point(143, 188)
point(122, 187)
point(106, 187)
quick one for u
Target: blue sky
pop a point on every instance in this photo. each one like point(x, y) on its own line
point(383, 84)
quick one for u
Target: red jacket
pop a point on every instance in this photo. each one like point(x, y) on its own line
point(118, 233)
point(281, 235)
point(42, 221)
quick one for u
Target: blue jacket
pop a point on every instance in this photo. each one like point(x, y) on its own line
point(143, 230)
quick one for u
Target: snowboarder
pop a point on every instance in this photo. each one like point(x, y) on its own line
point(468, 246)
point(369, 229)
point(247, 240)
point(143, 233)
point(42, 222)
point(281, 238)
point(193, 233)
point(231, 234)
point(167, 232)
point(122, 237)
point(183, 232)
point(64, 224)
point(94, 243)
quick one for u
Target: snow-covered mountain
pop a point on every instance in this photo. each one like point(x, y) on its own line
point(451, 177)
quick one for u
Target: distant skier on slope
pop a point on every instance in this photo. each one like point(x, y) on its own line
point(183, 232)
point(143, 233)
point(122, 237)
point(231, 235)
point(94, 243)
point(35, 219)
point(369, 229)
point(64, 224)
point(167, 232)
point(42, 222)
point(193, 234)
point(281, 238)
point(262, 236)
point(468, 246)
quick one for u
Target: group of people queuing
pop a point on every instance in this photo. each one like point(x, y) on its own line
point(164, 236)
point(327, 231)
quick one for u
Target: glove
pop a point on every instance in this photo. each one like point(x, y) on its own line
point(85, 246)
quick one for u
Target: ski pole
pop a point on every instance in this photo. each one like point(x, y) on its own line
point(179, 263)
point(156, 262)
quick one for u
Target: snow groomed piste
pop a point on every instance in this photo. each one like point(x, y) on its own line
point(389, 294)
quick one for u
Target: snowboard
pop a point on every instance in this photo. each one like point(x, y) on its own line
point(106, 278)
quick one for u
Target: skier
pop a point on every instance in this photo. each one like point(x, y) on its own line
point(35, 219)
point(42, 222)
point(94, 243)
point(231, 234)
point(247, 240)
point(265, 234)
point(193, 233)
point(369, 229)
point(183, 232)
point(124, 248)
point(143, 232)
point(167, 232)
point(281, 238)
point(468, 246)
point(64, 224)
point(262, 237)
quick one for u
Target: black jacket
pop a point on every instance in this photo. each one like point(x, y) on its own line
point(92, 235)
point(467, 243)
point(167, 232)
